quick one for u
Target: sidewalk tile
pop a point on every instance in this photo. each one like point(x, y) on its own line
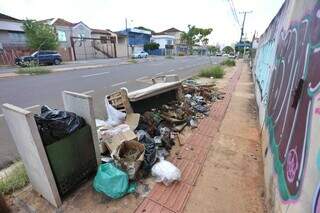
point(149, 206)
point(173, 197)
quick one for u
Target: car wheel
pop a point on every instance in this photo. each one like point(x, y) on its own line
point(56, 61)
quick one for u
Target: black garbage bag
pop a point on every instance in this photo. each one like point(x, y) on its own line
point(56, 124)
point(150, 151)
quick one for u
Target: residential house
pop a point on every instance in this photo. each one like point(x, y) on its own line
point(81, 42)
point(12, 39)
point(137, 38)
point(166, 44)
point(180, 46)
point(104, 43)
point(64, 32)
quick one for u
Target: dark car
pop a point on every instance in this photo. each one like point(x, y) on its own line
point(40, 57)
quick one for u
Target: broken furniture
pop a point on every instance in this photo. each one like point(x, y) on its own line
point(163, 90)
point(43, 170)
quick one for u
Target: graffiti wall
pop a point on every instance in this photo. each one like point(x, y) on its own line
point(287, 74)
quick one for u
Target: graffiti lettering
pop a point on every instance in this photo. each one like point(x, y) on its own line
point(297, 57)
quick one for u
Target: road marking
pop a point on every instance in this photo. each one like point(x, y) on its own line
point(118, 84)
point(142, 78)
point(95, 74)
point(160, 73)
point(171, 70)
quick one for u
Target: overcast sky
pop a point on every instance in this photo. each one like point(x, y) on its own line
point(157, 15)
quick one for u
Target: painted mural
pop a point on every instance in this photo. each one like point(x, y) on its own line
point(293, 86)
point(288, 74)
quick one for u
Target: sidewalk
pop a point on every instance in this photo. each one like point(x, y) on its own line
point(221, 165)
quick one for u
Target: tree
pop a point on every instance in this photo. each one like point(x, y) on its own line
point(40, 36)
point(228, 50)
point(213, 49)
point(151, 46)
point(195, 35)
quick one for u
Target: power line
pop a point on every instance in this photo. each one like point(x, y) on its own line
point(234, 12)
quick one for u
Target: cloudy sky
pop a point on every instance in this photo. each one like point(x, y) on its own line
point(157, 15)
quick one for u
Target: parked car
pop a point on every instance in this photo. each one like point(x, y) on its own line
point(218, 54)
point(140, 54)
point(40, 57)
point(232, 55)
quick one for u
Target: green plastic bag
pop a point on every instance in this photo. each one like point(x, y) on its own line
point(112, 181)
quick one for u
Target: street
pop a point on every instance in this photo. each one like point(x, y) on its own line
point(26, 91)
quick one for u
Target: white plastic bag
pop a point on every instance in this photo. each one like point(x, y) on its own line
point(115, 117)
point(165, 172)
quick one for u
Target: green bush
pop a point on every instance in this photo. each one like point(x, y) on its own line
point(132, 61)
point(33, 70)
point(215, 72)
point(181, 54)
point(229, 63)
point(14, 179)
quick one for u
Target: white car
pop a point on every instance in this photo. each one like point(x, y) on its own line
point(141, 54)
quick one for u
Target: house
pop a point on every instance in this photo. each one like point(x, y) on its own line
point(104, 43)
point(81, 42)
point(12, 39)
point(180, 46)
point(166, 44)
point(137, 38)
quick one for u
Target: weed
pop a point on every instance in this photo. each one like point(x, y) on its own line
point(13, 179)
point(229, 63)
point(33, 70)
point(215, 72)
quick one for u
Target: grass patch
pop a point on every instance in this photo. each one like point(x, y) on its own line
point(132, 61)
point(229, 63)
point(36, 70)
point(13, 179)
point(215, 72)
point(169, 57)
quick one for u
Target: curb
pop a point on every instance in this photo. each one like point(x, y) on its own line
point(13, 74)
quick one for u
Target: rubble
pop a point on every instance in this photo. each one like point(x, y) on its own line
point(157, 129)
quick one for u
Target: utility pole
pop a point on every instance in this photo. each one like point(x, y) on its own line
point(127, 38)
point(244, 20)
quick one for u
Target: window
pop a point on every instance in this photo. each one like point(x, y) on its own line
point(169, 42)
point(62, 36)
point(17, 37)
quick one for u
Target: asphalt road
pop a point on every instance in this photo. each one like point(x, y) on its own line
point(26, 91)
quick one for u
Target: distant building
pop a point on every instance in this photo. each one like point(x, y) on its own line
point(166, 44)
point(136, 38)
point(80, 42)
point(12, 39)
point(180, 46)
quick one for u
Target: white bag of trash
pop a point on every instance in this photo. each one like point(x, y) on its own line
point(165, 172)
point(115, 117)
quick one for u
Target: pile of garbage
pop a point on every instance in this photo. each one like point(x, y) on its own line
point(139, 147)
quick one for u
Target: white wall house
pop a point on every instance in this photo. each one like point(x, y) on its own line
point(163, 40)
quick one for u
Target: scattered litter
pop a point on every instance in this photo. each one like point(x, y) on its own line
point(115, 117)
point(129, 156)
point(166, 172)
point(112, 181)
point(150, 153)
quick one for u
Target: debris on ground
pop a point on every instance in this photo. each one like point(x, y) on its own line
point(166, 172)
point(157, 130)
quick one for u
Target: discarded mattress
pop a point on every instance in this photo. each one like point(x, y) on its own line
point(153, 90)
